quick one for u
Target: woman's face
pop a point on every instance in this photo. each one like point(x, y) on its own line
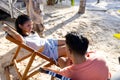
point(27, 27)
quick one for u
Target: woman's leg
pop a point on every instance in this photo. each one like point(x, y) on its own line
point(62, 51)
point(63, 60)
point(61, 42)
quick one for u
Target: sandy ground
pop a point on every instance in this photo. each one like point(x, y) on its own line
point(98, 25)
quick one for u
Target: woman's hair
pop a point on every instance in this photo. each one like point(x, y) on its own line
point(21, 20)
point(77, 44)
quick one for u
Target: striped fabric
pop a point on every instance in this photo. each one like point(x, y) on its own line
point(54, 74)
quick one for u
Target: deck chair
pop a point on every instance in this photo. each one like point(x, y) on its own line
point(34, 53)
point(61, 77)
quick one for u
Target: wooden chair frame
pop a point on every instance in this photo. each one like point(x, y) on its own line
point(34, 53)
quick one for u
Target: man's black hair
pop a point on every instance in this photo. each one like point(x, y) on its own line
point(77, 43)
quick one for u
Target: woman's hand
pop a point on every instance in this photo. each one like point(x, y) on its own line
point(64, 61)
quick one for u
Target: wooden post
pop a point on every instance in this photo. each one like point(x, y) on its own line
point(98, 1)
point(50, 2)
point(11, 8)
point(82, 6)
point(7, 73)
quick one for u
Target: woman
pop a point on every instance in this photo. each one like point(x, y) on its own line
point(52, 48)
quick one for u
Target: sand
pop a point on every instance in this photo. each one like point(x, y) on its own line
point(98, 25)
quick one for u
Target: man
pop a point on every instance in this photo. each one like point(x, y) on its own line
point(84, 65)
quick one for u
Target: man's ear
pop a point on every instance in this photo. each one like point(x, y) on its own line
point(20, 26)
point(70, 51)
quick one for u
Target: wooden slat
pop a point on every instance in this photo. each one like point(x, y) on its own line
point(37, 71)
point(48, 65)
point(16, 54)
point(28, 66)
point(45, 57)
point(23, 58)
point(32, 74)
point(19, 43)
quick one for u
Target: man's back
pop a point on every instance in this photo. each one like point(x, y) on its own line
point(92, 69)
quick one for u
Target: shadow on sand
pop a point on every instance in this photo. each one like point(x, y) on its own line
point(62, 24)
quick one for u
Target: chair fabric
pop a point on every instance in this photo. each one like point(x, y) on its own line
point(54, 74)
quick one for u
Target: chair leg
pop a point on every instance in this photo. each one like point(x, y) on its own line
point(16, 54)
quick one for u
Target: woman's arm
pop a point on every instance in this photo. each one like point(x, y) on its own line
point(14, 34)
point(64, 62)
